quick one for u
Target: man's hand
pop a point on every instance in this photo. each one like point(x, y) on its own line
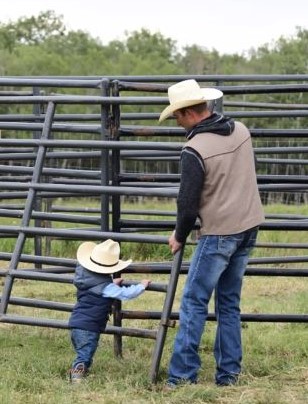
point(174, 244)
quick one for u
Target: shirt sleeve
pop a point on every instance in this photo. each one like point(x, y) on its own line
point(192, 178)
point(123, 292)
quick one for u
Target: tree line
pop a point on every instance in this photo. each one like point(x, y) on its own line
point(42, 45)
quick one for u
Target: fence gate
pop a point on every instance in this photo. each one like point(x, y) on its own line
point(50, 160)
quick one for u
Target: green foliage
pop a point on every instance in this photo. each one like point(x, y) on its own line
point(31, 31)
point(144, 44)
point(42, 45)
point(286, 56)
point(197, 60)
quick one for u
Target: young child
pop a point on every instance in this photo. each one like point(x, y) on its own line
point(96, 292)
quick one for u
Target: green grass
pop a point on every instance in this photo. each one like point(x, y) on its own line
point(35, 363)
point(36, 360)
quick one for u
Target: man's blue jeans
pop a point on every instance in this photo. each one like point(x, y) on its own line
point(85, 344)
point(219, 263)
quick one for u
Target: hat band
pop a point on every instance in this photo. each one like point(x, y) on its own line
point(102, 265)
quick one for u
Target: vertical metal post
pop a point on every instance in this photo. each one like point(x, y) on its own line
point(219, 103)
point(166, 312)
point(115, 160)
point(105, 157)
point(116, 209)
point(38, 201)
point(37, 171)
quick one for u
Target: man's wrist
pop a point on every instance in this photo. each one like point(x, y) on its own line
point(178, 238)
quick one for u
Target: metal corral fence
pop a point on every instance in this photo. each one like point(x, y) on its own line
point(70, 140)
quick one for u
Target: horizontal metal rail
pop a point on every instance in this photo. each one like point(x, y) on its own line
point(62, 324)
point(125, 177)
point(272, 318)
point(49, 81)
point(142, 333)
point(157, 269)
point(129, 155)
point(92, 144)
point(17, 211)
point(63, 278)
point(79, 233)
point(302, 111)
point(150, 100)
point(134, 130)
point(170, 192)
point(71, 182)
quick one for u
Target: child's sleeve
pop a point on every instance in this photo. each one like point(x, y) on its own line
point(123, 292)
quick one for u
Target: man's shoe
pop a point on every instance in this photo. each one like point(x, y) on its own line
point(78, 373)
point(227, 381)
point(172, 384)
point(169, 386)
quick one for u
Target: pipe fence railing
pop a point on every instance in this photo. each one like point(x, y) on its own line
point(50, 159)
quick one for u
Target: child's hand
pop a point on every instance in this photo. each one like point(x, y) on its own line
point(118, 281)
point(145, 282)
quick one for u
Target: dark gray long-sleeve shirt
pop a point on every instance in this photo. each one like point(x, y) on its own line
point(192, 178)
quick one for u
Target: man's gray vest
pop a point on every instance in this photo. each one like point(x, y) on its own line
point(230, 201)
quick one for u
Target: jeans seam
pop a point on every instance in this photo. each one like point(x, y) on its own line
point(218, 331)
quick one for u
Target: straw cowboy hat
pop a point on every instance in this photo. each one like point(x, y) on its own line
point(102, 258)
point(187, 93)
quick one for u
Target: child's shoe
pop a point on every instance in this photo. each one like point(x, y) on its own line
point(78, 373)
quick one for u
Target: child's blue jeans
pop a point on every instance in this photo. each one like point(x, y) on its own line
point(85, 344)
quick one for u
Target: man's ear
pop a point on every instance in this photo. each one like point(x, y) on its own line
point(189, 112)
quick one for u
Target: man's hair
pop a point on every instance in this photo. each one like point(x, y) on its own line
point(198, 108)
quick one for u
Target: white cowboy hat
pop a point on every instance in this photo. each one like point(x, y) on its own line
point(187, 93)
point(102, 258)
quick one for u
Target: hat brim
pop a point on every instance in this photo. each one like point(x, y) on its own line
point(209, 94)
point(83, 257)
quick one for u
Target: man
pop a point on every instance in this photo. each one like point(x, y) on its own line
point(218, 186)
